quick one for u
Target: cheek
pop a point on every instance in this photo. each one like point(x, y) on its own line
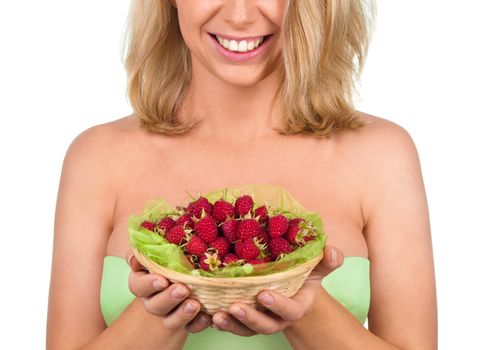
point(274, 11)
point(189, 22)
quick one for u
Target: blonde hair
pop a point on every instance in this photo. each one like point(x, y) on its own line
point(325, 46)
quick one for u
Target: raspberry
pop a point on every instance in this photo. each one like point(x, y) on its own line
point(177, 234)
point(148, 225)
point(206, 229)
point(222, 246)
point(277, 225)
point(260, 260)
point(291, 234)
point(230, 258)
point(165, 225)
point(248, 249)
point(263, 236)
point(196, 207)
point(261, 212)
point(299, 232)
point(243, 205)
point(209, 261)
point(248, 228)
point(221, 210)
point(196, 246)
point(185, 218)
point(278, 247)
point(229, 229)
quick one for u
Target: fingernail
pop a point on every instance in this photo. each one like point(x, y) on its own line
point(189, 308)
point(178, 293)
point(129, 260)
point(333, 255)
point(221, 321)
point(204, 319)
point(239, 312)
point(266, 298)
point(158, 285)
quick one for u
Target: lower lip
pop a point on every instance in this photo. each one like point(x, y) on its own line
point(241, 56)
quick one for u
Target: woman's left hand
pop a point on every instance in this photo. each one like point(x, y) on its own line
point(244, 320)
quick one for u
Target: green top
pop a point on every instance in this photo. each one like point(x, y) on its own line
point(349, 285)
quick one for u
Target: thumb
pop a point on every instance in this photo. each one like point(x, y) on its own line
point(332, 259)
point(132, 261)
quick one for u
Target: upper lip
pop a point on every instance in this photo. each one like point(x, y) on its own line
point(239, 38)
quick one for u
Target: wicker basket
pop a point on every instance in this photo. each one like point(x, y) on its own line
point(218, 293)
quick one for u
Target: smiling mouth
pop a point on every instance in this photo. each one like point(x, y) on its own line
point(240, 45)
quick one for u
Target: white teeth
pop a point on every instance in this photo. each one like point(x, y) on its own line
point(233, 45)
point(241, 46)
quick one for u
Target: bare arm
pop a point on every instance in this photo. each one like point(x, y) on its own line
point(403, 312)
point(83, 222)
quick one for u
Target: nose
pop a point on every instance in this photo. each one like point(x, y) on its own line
point(240, 13)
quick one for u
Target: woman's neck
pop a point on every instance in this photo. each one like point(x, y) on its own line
point(232, 113)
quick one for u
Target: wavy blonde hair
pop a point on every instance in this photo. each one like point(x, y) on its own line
point(325, 46)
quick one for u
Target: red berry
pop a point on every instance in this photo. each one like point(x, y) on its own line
point(260, 260)
point(291, 234)
point(166, 224)
point(177, 234)
point(196, 246)
point(196, 207)
point(229, 229)
point(278, 246)
point(148, 225)
point(221, 210)
point(222, 245)
point(243, 205)
point(299, 232)
point(247, 249)
point(263, 236)
point(230, 258)
point(209, 261)
point(277, 225)
point(185, 219)
point(248, 228)
point(206, 229)
point(203, 264)
point(295, 221)
point(261, 212)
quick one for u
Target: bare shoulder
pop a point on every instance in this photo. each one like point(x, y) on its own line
point(380, 138)
point(380, 150)
point(106, 138)
point(101, 147)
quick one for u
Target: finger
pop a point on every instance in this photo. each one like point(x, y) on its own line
point(143, 284)
point(255, 320)
point(182, 315)
point(226, 322)
point(199, 323)
point(163, 302)
point(332, 259)
point(290, 309)
point(134, 264)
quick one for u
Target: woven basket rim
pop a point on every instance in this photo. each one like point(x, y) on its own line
point(153, 267)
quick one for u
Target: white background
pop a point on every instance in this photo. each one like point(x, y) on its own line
point(61, 72)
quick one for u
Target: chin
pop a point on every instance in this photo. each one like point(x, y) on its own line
point(240, 77)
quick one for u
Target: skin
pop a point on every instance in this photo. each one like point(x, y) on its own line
point(366, 185)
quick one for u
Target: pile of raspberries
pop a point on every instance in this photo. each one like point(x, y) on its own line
point(216, 235)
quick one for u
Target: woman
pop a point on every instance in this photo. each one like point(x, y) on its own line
point(230, 92)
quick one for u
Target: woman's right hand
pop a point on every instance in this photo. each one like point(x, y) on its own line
point(167, 300)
